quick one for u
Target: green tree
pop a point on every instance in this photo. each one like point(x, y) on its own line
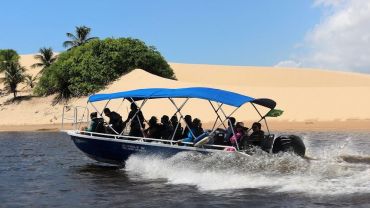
point(7, 57)
point(30, 80)
point(81, 37)
point(14, 74)
point(45, 58)
point(89, 68)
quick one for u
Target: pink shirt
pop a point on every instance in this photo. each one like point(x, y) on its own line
point(236, 137)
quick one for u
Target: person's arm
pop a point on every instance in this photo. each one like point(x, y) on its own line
point(129, 117)
point(146, 132)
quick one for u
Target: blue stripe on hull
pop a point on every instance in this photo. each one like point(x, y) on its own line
point(117, 152)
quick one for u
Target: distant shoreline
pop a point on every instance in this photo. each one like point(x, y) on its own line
point(312, 100)
point(289, 126)
point(33, 128)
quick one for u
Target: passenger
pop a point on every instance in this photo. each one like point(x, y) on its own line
point(243, 144)
point(153, 131)
point(188, 125)
point(175, 123)
point(195, 131)
point(197, 127)
point(95, 122)
point(137, 122)
point(257, 135)
point(239, 133)
point(166, 128)
point(115, 120)
point(229, 130)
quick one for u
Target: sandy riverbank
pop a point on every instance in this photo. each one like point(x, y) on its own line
point(311, 99)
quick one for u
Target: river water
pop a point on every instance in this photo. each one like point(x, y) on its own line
point(47, 170)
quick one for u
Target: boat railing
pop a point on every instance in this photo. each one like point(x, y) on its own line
point(76, 121)
point(145, 139)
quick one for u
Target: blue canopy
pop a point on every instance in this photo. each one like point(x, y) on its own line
point(217, 95)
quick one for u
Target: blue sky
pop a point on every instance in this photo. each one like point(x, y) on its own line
point(235, 32)
point(329, 34)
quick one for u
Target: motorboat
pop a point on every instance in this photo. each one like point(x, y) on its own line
point(116, 147)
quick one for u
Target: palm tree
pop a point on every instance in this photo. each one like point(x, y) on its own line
point(81, 37)
point(30, 80)
point(7, 57)
point(14, 74)
point(46, 58)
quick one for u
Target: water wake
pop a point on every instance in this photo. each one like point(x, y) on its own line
point(329, 174)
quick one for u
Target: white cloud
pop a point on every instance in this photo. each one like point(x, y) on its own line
point(341, 40)
point(328, 2)
point(288, 63)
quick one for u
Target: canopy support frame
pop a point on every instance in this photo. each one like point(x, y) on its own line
point(106, 104)
point(218, 116)
point(228, 118)
point(83, 116)
point(182, 116)
point(175, 114)
point(121, 104)
point(262, 118)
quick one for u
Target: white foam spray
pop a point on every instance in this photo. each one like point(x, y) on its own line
point(328, 175)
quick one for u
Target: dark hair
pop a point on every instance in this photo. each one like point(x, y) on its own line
point(187, 118)
point(239, 125)
point(188, 121)
point(165, 119)
point(232, 120)
point(153, 120)
point(196, 122)
point(257, 124)
point(93, 115)
point(174, 119)
point(133, 106)
point(106, 110)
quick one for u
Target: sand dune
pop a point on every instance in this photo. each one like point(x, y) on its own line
point(304, 94)
point(267, 76)
point(308, 96)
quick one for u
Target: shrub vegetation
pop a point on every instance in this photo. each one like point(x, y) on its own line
point(88, 68)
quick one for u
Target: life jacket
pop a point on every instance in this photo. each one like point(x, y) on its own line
point(99, 128)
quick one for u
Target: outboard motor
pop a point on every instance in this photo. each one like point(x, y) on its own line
point(289, 143)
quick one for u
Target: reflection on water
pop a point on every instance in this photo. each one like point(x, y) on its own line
point(45, 169)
